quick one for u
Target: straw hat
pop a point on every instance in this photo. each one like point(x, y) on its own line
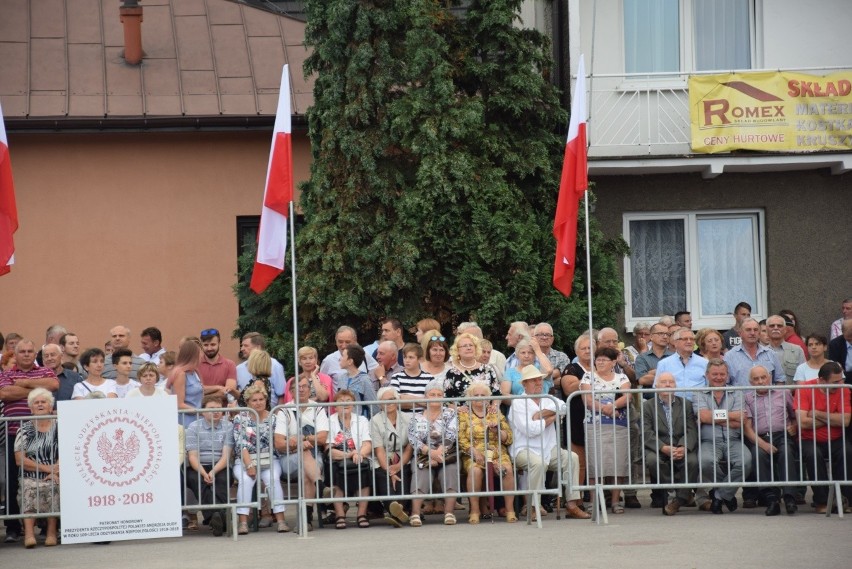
point(530, 372)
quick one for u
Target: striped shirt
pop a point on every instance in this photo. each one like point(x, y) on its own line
point(20, 407)
point(42, 448)
point(411, 385)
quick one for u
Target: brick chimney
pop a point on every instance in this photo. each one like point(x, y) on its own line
point(131, 17)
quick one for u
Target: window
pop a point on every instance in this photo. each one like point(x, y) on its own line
point(719, 38)
point(703, 262)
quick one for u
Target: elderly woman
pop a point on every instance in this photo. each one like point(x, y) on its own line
point(320, 383)
point(710, 343)
point(436, 353)
point(186, 383)
point(349, 447)
point(433, 434)
point(253, 437)
point(37, 455)
point(641, 334)
point(606, 422)
point(389, 431)
point(465, 367)
point(528, 352)
point(484, 439)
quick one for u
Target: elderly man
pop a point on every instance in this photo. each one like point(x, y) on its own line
point(837, 325)
point(687, 367)
point(543, 333)
point(720, 414)
point(344, 337)
point(770, 428)
point(608, 338)
point(51, 336)
point(791, 355)
point(671, 438)
point(750, 353)
point(823, 414)
point(52, 355)
point(534, 448)
point(647, 362)
point(392, 332)
point(517, 331)
point(120, 340)
point(15, 387)
point(388, 364)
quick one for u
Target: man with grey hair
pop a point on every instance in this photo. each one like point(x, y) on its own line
point(608, 338)
point(120, 340)
point(791, 355)
point(345, 336)
point(386, 358)
point(837, 326)
point(543, 333)
point(518, 331)
point(687, 367)
point(749, 353)
point(52, 335)
point(497, 358)
point(67, 378)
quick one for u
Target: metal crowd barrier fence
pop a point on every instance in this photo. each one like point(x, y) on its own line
point(746, 441)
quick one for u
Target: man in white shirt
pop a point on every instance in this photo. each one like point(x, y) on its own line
point(534, 448)
point(151, 340)
point(344, 337)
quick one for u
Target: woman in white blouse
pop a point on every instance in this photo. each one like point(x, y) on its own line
point(350, 446)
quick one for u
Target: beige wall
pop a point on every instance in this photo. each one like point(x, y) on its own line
point(132, 228)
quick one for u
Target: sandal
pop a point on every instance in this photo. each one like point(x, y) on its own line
point(450, 519)
point(415, 521)
point(511, 517)
point(363, 522)
point(617, 509)
point(192, 525)
point(473, 519)
point(340, 523)
point(242, 528)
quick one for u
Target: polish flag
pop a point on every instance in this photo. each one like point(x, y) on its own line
point(572, 187)
point(272, 238)
point(8, 209)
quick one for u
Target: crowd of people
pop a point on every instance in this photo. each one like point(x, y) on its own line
point(433, 417)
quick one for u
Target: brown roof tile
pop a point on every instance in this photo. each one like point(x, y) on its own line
point(201, 58)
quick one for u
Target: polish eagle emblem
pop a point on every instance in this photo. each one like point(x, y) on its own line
point(118, 454)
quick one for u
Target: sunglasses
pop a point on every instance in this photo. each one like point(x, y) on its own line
point(437, 338)
point(210, 332)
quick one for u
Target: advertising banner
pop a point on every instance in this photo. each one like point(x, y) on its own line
point(118, 462)
point(776, 111)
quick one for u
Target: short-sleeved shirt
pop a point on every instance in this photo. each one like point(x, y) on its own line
point(357, 434)
point(769, 413)
point(791, 357)
point(311, 416)
point(837, 400)
point(732, 401)
point(208, 440)
point(392, 438)
point(278, 381)
point(411, 385)
point(740, 364)
point(647, 361)
point(19, 407)
point(731, 339)
point(123, 390)
point(67, 380)
point(84, 388)
point(217, 373)
point(111, 373)
point(690, 374)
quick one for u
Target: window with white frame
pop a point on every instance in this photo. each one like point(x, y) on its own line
point(704, 262)
point(688, 35)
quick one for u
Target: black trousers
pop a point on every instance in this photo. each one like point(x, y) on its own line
point(216, 493)
point(815, 455)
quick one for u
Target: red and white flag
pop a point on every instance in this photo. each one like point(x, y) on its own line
point(572, 187)
point(8, 209)
point(272, 237)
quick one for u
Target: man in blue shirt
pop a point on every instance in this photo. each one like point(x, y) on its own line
point(750, 353)
point(687, 367)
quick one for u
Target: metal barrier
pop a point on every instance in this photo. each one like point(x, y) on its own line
point(719, 446)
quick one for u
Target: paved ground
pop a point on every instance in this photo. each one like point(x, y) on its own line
point(639, 538)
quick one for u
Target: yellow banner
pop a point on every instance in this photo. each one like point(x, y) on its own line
point(771, 112)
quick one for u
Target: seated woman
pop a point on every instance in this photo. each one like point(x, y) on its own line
point(433, 433)
point(350, 446)
point(484, 439)
point(253, 444)
point(389, 431)
point(528, 353)
point(37, 456)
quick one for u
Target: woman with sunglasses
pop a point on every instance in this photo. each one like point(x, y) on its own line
point(435, 354)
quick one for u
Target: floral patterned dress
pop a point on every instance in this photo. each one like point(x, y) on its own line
point(473, 433)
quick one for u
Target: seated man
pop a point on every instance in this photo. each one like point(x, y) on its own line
point(720, 414)
point(671, 440)
point(209, 446)
point(770, 428)
point(823, 414)
point(314, 426)
point(534, 447)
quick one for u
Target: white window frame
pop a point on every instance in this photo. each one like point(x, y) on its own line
point(678, 79)
point(693, 288)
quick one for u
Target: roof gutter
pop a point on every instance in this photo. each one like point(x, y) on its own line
point(148, 124)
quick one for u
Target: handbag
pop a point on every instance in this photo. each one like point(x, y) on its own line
point(450, 457)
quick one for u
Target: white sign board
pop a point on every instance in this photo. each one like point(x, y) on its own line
point(118, 462)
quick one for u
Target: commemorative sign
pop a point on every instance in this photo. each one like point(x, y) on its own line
point(119, 469)
point(775, 111)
